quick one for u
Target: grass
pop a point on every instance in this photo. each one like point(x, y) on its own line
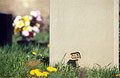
point(102, 72)
point(13, 58)
point(13, 62)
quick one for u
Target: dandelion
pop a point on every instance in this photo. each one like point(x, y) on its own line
point(48, 45)
point(32, 72)
point(34, 53)
point(117, 75)
point(37, 70)
point(45, 73)
point(51, 69)
point(39, 74)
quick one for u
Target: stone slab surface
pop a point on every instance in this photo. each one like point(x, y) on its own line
point(87, 26)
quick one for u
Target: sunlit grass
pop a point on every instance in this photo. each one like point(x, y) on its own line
point(14, 62)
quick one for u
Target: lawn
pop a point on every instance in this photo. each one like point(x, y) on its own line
point(20, 61)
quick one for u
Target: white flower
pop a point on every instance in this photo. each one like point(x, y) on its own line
point(18, 17)
point(16, 21)
point(30, 17)
point(33, 13)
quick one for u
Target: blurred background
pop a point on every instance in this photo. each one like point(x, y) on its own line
point(24, 7)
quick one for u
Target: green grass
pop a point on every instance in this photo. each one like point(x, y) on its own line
point(102, 72)
point(13, 58)
point(13, 61)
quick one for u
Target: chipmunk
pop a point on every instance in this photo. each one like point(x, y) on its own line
point(74, 61)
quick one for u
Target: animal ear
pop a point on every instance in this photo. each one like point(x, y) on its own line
point(77, 53)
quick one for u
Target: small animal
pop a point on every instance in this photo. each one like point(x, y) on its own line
point(74, 61)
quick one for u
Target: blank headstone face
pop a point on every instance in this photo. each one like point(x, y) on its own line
point(87, 26)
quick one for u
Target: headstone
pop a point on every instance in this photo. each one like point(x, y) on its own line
point(86, 26)
point(5, 29)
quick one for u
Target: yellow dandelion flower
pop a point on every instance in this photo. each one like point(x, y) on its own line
point(48, 45)
point(34, 53)
point(37, 70)
point(117, 74)
point(32, 72)
point(54, 69)
point(39, 74)
point(45, 73)
point(51, 69)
